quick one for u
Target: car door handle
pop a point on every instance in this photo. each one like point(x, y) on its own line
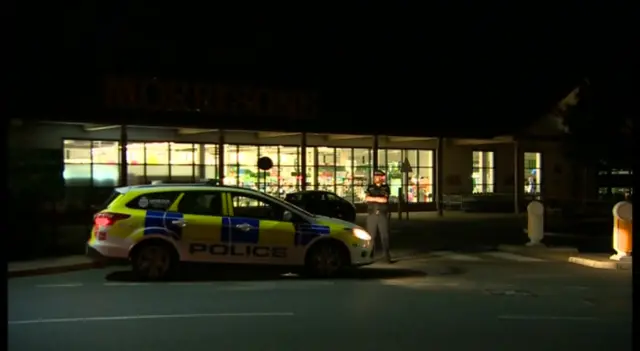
point(179, 222)
point(245, 227)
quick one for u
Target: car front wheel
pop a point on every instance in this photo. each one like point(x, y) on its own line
point(325, 260)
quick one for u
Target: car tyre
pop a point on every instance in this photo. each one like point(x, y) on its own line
point(325, 260)
point(154, 262)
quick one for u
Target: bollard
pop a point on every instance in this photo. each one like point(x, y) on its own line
point(622, 230)
point(535, 223)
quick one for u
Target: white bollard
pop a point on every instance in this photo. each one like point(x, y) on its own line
point(622, 231)
point(535, 223)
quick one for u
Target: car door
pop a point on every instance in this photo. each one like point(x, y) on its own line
point(202, 226)
point(314, 203)
point(258, 233)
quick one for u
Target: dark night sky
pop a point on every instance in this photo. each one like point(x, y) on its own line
point(496, 62)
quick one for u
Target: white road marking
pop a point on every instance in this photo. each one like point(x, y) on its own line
point(70, 285)
point(456, 256)
point(247, 288)
point(156, 316)
point(191, 283)
point(572, 287)
point(549, 318)
point(542, 276)
point(126, 284)
point(512, 257)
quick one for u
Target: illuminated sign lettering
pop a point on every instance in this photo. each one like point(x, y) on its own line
point(217, 99)
point(232, 250)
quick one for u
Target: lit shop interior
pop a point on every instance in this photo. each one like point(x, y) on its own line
point(345, 171)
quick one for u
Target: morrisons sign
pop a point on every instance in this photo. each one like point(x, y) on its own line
point(214, 99)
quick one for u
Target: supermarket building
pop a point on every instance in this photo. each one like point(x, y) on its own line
point(181, 132)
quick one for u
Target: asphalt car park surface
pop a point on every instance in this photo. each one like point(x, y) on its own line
point(442, 302)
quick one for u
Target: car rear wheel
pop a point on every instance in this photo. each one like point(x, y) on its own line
point(153, 262)
point(325, 260)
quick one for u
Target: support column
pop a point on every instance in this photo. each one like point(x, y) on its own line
point(517, 180)
point(221, 156)
point(374, 155)
point(440, 176)
point(202, 159)
point(303, 161)
point(124, 169)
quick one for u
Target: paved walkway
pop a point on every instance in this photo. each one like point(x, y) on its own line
point(49, 265)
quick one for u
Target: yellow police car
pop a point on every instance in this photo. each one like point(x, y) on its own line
point(158, 226)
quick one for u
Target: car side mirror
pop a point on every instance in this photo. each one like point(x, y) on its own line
point(287, 216)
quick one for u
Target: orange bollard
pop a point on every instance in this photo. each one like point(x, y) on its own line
point(622, 230)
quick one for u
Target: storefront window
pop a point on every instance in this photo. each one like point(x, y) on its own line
point(392, 169)
point(483, 170)
point(156, 153)
point(361, 173)
point(156, 157)
point(184, 158)
point(77, 152)
point(231, 167)
point(423, 173)
point(310, 171)
point(209, 157)
point(269, 179)
point(77, 163)
point(382, 158)
point(419, 187)
point(326, 169)
point(344, 173)
point(105, 158)
point(248, 166)
point(105, 152)
point(533, 172)
point(91, 163)
point(289, 167)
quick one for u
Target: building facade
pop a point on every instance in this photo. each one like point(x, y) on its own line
point(144, 134)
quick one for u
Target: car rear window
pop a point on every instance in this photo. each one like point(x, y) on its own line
point(111, 199)
point(154, 201)
point(294, 197)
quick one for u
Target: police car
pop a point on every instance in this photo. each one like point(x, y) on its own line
point(158, 226)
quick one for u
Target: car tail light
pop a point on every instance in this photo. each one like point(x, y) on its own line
point(104, 220)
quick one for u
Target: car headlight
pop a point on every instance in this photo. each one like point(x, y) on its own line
point(361, 234)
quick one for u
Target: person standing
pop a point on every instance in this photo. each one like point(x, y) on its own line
point(377, 200)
